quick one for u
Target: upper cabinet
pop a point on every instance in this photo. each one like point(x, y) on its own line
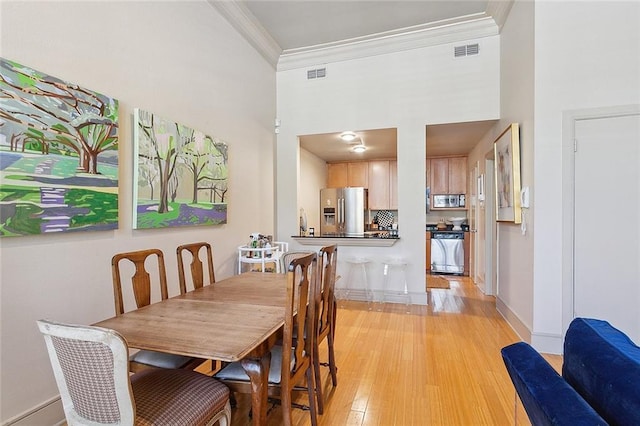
point(340, 175)
point(393, 185)
point(379, 185)
point(439, 176)
point(380, 177)
point(337, 175)
point(457, 175)
point(447, 175)
point(358, 174)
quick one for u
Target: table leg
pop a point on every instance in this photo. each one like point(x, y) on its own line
point(258, 371)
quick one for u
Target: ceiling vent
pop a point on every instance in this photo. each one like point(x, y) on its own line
point(317, 73)
point(467, 50)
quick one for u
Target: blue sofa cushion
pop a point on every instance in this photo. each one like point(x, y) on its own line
point(603, 365)
point(547, 398)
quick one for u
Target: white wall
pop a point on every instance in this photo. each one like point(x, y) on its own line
point(405, 90)
point(181, 60)
point(515, 251)
point(592, 61)
point(313, 177)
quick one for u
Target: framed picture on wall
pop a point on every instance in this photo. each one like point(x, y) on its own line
point(507, 174)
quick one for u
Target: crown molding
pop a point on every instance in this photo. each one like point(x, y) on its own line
point(241, 18)
point(499, 10)
point(450, 31)
point(453, 30)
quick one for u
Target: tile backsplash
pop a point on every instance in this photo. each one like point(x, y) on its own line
point(434, 217)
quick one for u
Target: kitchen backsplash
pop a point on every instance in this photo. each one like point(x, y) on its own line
point(384, 214)
point(434, 217)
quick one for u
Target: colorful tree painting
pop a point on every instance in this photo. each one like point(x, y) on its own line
point(181, 175)
point(58, 155)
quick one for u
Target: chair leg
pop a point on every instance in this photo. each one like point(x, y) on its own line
point(332, 361)
point(318, 381)
point(311, 387)
point(285, 401)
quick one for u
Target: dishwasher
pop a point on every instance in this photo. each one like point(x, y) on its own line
point(447, 252)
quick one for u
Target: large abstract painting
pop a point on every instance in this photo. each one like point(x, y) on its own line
point(58, 155)
point(180, 178)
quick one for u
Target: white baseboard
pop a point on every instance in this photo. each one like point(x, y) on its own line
point(548, 343)
point(542, 342)
point(49, 413)
point(513, 320)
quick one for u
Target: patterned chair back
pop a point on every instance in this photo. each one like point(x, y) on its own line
point(90, 365)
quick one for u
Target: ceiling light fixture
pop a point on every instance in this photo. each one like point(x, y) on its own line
point(348, 136)
point(359, 149)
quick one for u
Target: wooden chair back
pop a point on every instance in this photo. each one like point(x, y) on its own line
point(196, 266)
point(328, 258)
point(287, 257)
point(140, 280)
point(292, 361)
point(325, 308)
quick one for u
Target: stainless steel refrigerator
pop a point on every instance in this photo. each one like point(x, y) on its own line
point(343, 211)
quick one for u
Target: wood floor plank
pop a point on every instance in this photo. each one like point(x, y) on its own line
point(440, 364)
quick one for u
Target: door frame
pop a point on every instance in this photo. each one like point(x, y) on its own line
point(491, 228)
point(569, 119)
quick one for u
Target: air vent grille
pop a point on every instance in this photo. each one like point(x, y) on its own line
point(316, 73)
point(467, 50)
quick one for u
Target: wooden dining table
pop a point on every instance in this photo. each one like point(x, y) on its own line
point(236, 319)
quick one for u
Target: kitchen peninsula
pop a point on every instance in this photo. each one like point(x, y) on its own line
point(369, 239)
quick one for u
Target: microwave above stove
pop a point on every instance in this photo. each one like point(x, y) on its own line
point(448, 201)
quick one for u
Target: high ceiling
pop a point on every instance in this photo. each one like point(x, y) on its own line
point(299, 25)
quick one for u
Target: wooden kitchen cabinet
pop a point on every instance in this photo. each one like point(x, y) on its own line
point(379, 185)
point(457, 175)
point(380, 177)
point(358, 174)
point(439, 174)
point(337, 175)
point(448, 175)
point(340, 175)
point(393, 185)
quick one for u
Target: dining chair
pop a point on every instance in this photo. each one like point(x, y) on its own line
point(141, 286)
point(90, 365)
point(280, 249)
point(196, 266)
point(291, 363)
point(286, 258)
point(326, 310)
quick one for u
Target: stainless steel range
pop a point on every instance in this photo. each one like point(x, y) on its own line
point(447, 252)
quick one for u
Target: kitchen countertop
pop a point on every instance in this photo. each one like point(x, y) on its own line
point(433, 228)
point(368, 240)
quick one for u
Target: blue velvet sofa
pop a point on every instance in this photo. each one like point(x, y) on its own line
point(600, 381)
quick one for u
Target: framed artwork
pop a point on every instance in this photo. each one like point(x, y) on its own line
point(507, 170)
point(180, 175)
point(58, 155)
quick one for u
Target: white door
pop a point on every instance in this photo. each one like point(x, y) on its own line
point(606, 221)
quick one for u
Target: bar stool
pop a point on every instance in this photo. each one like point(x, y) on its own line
point(399, 266)
point(358, 266)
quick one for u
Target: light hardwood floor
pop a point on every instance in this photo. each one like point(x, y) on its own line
point(440, 364)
